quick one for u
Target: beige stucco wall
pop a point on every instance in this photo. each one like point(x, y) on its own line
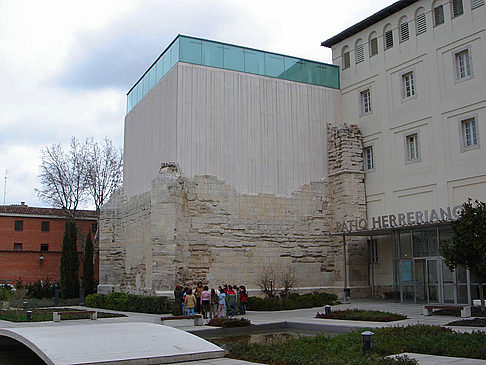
point(258, 134)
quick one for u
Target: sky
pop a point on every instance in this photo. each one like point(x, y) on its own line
point(66, 66)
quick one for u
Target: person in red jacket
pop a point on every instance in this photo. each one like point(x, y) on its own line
point(243, 299)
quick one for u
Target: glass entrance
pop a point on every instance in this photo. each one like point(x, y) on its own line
point(421, 275)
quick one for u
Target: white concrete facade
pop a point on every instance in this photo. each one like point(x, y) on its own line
point(258, 134)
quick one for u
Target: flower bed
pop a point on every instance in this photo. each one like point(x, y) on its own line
point(131, 303)
point(41, 315)
point(229, 322)
point(362, 315)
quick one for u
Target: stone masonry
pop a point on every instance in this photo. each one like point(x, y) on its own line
point(190, 229)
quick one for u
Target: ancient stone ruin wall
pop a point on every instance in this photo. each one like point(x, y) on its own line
point(191, 229)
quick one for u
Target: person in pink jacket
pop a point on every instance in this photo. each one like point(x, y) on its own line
point(205, 301)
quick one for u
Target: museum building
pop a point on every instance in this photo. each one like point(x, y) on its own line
point(237, 159)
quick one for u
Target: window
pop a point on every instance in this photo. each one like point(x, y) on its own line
point(346, 58)
point(45, 226)
point(404, 32)
point(477, 3)
point(17, 247)
point(359, 51)
point(438, 14)
point(463, 65)
point(457, 8)
point(420, 21)
point(469, 131)
point(388, 37)
point(44, 247)
point(413, 152)
point(94, 228)
point(365, 98)
point(373, 44)
point(408, 84)
point(369, 158)
point(19, 225)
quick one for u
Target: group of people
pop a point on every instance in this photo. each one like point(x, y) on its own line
point(227, 300)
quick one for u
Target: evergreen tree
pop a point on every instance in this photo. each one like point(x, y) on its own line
point(69, 263)
point(88, 270)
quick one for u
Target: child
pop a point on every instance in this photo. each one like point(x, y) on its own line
point(190, 302)
point(221, 303)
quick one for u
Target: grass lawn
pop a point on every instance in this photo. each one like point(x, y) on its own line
point(346, 348)
point(45, 314)
point(362, 315)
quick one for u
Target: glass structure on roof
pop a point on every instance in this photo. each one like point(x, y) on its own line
point(229, 57)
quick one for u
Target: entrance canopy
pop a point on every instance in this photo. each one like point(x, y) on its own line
point(389, 230)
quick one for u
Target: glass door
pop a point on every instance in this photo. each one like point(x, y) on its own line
point(407, 286)
point(448, 284)
point(420, 288)
point(433, 294)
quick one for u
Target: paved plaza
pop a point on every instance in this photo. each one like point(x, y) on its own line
point(300, 317)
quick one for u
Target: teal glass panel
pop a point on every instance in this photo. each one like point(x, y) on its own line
point(219, 55)
point(233, 58)
point(274, 65)
point(174, 54)
point(293, 69)
point(190, 50)
point(166, 63)
point(212, 54)
point(254, 62)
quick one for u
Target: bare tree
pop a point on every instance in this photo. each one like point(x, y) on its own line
point(287, 281)
point(273, 280)
point(63, 176)
point(86, 170)
point(104, 171)
point(268, 280)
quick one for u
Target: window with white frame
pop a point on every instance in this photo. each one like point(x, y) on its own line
point(359, 51)
point(457, 8)
point(470, 138)
point(388, 37)
point(373, 44)
point(420, 21)
point(438, 14)
point(408, 85)
point(404, 31)
point(463, 64)
point(413, 150)
point(365, 100)
point(477, 3)
point(369, 158)
point(346, 58)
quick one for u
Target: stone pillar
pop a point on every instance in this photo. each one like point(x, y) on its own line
point(111, 253)
point(348, 201)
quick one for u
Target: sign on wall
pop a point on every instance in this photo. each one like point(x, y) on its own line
point(400, 220)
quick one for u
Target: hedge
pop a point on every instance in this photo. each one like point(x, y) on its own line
point(347, 348)
point(130, 303)
point(293, 301)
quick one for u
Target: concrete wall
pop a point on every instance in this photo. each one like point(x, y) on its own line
point(258, 134)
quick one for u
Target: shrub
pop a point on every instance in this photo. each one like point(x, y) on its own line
point(292, 301)
point(346, 348)
point(40, 289)
point(130, 303)
point(229, 322)
point(362, 315)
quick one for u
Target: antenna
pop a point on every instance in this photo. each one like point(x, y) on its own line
point(5, 187)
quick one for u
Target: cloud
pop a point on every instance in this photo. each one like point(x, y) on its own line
point(117, 55)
